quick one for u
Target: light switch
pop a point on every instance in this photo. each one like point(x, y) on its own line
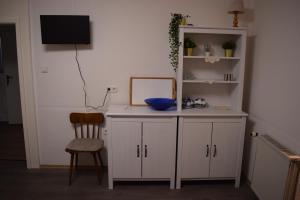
point(44, 69)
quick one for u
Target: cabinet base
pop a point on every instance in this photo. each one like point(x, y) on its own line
point(236, 181)
point(111, 182)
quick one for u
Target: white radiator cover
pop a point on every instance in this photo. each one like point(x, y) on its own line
point(276, 170)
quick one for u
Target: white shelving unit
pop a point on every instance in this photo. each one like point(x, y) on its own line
point(221, 57)
point(210, 140)
point(198, 78)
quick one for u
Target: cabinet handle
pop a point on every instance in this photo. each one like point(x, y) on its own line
point(207, 150)
point(215, 150)
point(146, 151)
point(138, 151)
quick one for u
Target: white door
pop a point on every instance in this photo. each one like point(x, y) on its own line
point(10, 74)
point(159, 149)
point(196, 149)
point(225, 138)
point(126, 149)
point(13, 94)
point(3, 99)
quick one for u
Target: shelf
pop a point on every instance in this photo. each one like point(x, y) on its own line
point(212, 111)
point(202, 76)
point(203, 57)
point(189, 27)
point(210, 81)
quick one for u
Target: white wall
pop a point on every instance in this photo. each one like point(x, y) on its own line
point(272, 96)
point(129, 38)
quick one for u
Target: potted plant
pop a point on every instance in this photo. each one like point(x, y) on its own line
point(189, 45)
point(229, 47)
point(174, 39)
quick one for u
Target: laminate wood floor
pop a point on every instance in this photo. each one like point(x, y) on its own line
point(16, 182)
point(12, 146)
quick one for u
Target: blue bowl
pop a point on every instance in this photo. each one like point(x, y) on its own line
point(160, 103)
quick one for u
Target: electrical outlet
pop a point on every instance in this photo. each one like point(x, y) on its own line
point(112, 89)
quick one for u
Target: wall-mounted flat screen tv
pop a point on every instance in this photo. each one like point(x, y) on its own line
point(65, 29)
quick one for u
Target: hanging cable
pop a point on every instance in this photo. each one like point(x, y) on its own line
point(84, 85)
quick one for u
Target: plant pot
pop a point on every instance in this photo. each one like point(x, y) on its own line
point(228, 52)
point(183, 21)
point(188, 51)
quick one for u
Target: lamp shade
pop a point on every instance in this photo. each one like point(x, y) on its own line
point(237, 6)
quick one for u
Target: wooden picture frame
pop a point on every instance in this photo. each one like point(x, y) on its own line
point(142, 88)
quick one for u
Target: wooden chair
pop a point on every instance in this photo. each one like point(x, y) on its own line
point(88, 139)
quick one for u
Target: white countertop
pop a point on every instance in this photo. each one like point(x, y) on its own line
point(222, 28)
point(126, 110)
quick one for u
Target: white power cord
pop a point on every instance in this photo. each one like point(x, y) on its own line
point(84, 86)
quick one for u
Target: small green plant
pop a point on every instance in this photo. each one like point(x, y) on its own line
point(229, 45)
point(188, 43)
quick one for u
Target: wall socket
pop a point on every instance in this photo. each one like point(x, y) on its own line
point(112, 89)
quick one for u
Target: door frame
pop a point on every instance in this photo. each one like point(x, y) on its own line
point(27, 93)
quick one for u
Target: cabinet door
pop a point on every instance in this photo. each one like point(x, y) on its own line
point(159, 149)
point(126, 149)
point(225, 138)
point(196, 149)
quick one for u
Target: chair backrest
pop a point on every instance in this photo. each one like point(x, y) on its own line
point(87, 125)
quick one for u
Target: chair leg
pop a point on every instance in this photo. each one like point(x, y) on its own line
point(71, 168)
point(100, 159)
point(97, 167)
point(76, 161)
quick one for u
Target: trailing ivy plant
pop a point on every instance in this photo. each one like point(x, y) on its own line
point(174, 39)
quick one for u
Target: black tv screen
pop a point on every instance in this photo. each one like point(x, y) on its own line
point(65, 29)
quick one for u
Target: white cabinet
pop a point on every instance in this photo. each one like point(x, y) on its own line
point(126, 151)
point(158, 144)
point(224, 149)
point(211, 139)
point(142, 149)
point(202, 144)
point(210, 148)
point(196, 142)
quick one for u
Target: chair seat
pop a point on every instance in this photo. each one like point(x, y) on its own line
point(85, 145)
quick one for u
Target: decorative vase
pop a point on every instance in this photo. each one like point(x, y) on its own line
point(228, 52)
point(188, 51)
